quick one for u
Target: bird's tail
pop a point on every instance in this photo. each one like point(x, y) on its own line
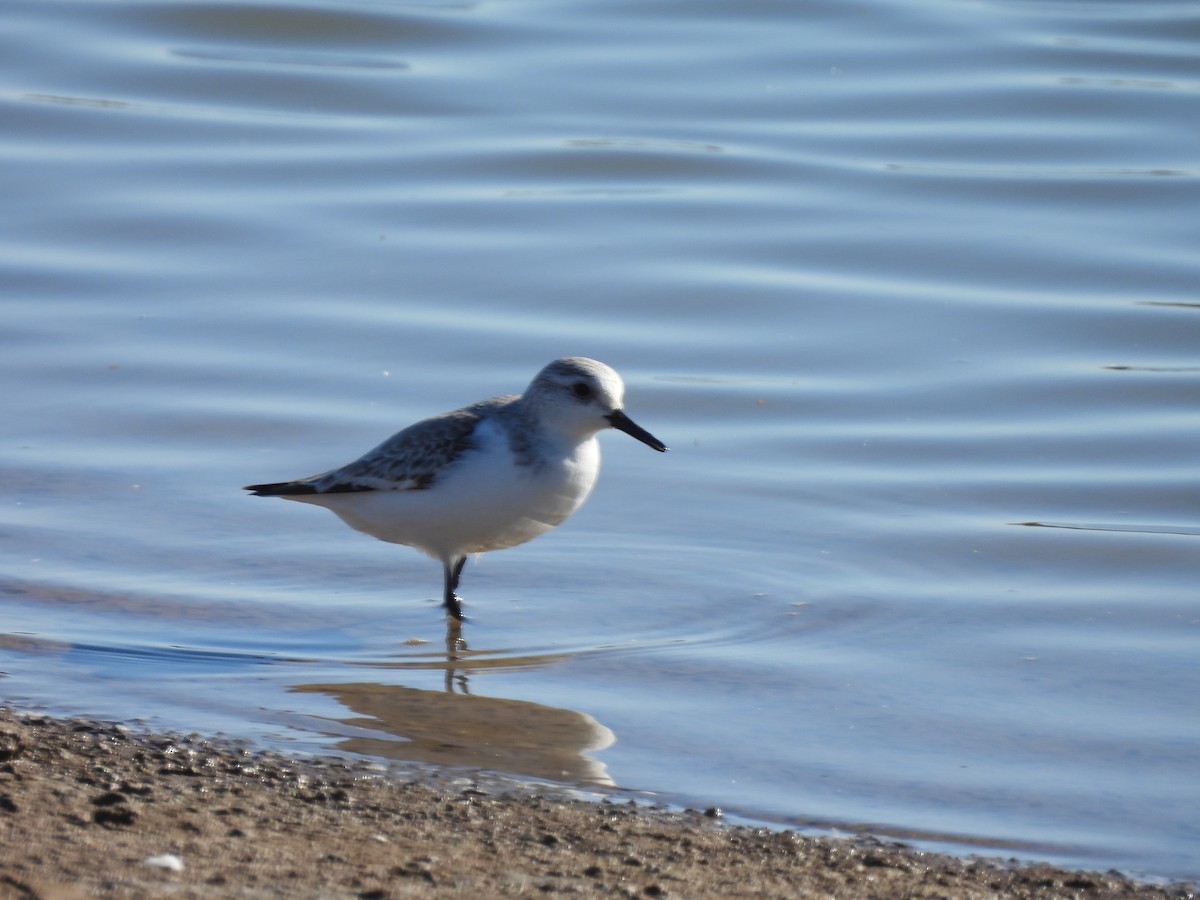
point(281, 489)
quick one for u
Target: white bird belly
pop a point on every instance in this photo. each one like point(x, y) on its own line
point(486, 500)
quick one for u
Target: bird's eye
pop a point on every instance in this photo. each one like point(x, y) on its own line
point(581, 389)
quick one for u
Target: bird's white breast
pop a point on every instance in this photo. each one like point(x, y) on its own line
point(487, 499)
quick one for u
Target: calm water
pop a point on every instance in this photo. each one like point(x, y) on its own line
point(892, 278)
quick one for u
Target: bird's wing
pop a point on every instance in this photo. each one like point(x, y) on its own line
point(410, 460)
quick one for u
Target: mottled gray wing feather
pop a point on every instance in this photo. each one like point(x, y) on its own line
point(412, 459)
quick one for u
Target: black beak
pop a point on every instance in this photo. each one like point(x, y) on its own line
point(622, 422)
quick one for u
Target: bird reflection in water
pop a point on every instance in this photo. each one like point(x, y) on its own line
point(454, 728)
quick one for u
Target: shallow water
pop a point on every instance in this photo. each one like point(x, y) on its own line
point(910, 288)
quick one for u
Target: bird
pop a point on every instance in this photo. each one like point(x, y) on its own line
point(491, 475)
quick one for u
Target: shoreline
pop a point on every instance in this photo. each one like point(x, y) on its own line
point(97, 809)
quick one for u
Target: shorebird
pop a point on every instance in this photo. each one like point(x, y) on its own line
point(488, 476)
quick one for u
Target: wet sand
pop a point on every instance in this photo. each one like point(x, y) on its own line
point(93, 809)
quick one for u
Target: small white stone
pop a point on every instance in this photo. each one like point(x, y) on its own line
point(166, 861)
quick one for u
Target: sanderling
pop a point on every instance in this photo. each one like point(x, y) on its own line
point(488, 476)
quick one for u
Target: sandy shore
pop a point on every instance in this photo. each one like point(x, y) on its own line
point(92, 809)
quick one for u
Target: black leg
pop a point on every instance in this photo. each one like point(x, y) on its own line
point(453, 603)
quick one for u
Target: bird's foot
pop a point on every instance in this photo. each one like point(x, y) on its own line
point(453, 605)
